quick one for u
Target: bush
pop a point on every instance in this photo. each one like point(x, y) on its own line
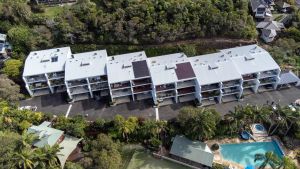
point(215, 147)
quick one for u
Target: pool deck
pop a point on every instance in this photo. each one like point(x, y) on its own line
point(220, 160)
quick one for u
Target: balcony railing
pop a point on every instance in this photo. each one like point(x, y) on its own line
point(57, 82)
point(249, 84)
point(140, 89)
point(141, 82)
point(186, 84)
point(231, 83)
point(79, 90)
point(98, 79)
point(33, 79)
point(210, 87)
point(77, 83)
point(166, 94)
point(56, 75)
point(99, 86)
point(230, 91)
point(119, 93)
point(186, 90)
point(267, 80)
point(268, 74)
point(165, 87)
point(36, 86)
point(119, 85)
point(210, 94)
point(249, 77)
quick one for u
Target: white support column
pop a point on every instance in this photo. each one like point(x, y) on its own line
point(131, 88)
point(90, 88)
point(241, 88)
point(221, 93)
point(176, 93)
point(257, 83)
point(27, 87)
point(48, 82)
point(68, 90)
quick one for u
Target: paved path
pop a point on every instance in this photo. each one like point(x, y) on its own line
point(56, 104)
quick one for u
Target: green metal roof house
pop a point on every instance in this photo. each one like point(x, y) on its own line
point(194, 153)
point(50, 136)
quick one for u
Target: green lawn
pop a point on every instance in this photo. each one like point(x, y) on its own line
point(143, 160)
point(53, 11)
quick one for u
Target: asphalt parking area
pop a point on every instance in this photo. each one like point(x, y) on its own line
point(56, 104)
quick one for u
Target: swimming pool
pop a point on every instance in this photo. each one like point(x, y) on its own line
point(244, 153)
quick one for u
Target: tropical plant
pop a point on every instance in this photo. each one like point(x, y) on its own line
point(269, 158)
point(198, 123)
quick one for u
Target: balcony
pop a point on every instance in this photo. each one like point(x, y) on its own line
point(40, 92)
point(185, 91)
point(231, 83)
point(186, 98)
point(75, 83)
point(58, 89)
point(34, 79)
point(82, 96)
point(268, 74)
point(56, 75)
point(120, 85)
point(141, 82)
point(210, 87)
point(98, 79)
point(40, 85)
point(166, 94)
point(165, 87)
point(229, 91)
point(79, 90)
point(185, 84)
point(267, 80)
point(249, 77)
point(99, 86)
point(249, 84)
point(143, 96)
point(141, 89)
point(229, 98)
point(57, 82)
point(120, 93)
point(210, 94)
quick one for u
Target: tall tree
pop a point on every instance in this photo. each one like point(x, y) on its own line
point(198, 123)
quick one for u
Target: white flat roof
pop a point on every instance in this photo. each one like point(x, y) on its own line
point(84, 65)
point(232, 63)
point(40, 62)
point(251, 59)
point(119, 67)
point(159, 73)
point(209, 71)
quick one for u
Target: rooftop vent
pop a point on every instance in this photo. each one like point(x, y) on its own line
point(170, 66)
point(85, 63)
point(213, 66)
point(54, 58)
point(153, 61)
point(222, 56)
point(95, 53)
point(229, 52)
point(112, 58)
point(35, 53)
point(247, 58)
point(127, 65)
point(140, 54)
point(72, 56)
point(57, 50)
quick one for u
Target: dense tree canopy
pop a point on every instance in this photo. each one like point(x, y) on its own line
point(12, 68)
point(9, 90)
point(123, 21)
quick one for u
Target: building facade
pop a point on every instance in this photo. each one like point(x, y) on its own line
point(207, 79)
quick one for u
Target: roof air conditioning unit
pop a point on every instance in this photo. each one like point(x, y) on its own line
point(247, 58)
point(170, 66)
point(213, 66)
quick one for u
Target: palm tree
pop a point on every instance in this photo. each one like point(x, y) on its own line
point(26, 140)
point(49, 155)
point(25, 158)
point(269, 158)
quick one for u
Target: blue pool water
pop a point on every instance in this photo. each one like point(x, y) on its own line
point(244, 153)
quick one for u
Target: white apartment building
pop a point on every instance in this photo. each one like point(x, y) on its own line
point(86, 75)
point(173, 79)
point(128, 77)
point(44, 71)
point(207, 79)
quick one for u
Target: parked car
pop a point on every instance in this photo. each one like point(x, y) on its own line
point(31, 108)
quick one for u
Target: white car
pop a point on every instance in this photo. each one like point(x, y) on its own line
point(32, 108)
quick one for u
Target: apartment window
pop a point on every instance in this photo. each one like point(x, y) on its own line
point(54, 59)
